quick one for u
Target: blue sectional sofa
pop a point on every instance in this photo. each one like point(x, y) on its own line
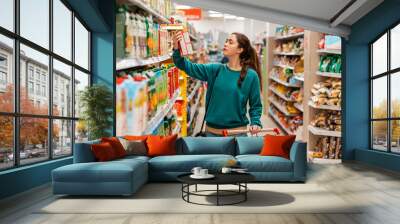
point(125, 176)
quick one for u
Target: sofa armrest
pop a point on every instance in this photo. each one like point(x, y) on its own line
point(83, 152)
point(298, 155)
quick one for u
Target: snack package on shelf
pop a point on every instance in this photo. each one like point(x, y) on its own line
point(289, 123)
point(287, 30)
point(328, 148)
point(285, 75)
point(328, 92)
point(330, 63)
point(328, 120)
point(333, 42)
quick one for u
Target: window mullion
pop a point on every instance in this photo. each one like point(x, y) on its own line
point(50, 81)
point(389, 104)
point(73, 82)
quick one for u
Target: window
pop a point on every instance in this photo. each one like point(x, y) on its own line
point(44, 91)
point(7, 14)
point(34, 21)
point(3, 72)
point(30, 87)
point(81, 45)
point(385, 96)
point(30, 73)
point(45, 131)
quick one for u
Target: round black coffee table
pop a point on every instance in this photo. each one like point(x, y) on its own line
point(238, 179)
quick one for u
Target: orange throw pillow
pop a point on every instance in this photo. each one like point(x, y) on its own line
point(136, 138)
point(116, 145)
point(277, 145)
point(161, 145)
point(103, 152)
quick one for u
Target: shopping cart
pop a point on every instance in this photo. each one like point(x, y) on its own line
point(226, 133)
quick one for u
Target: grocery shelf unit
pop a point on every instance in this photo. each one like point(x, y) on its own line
point(315, 133)
point(270, 91)
point(311, 76)
point(181, 96)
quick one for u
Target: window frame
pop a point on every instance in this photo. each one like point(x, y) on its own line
point(16, 114)
point(388, 74)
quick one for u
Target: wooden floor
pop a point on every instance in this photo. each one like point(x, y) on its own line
point(354, 182)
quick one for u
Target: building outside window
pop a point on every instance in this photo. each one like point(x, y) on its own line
point(34, 57)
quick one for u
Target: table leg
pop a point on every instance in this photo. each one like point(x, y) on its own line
point(196, 188)
point(245, 193)
point(217, 194)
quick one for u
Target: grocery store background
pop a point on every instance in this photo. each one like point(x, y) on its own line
point(316, 75)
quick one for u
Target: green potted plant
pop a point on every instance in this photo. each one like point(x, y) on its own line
point(96, 102)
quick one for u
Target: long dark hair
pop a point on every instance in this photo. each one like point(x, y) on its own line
point(248, 57)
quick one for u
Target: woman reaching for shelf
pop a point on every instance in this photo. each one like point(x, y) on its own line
point(232, 86)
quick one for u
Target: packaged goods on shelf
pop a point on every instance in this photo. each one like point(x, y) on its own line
point(327, 148)
point(332, 42)
point(328, 120)
point(330, 63)
point(327, 92)
point(288, 62)
point(295, 46)
point(139, 36)
point(286, 76)
point(289, 124)
point(159, 86)
point(289, 94)
point(164, 7)
point(287, 30)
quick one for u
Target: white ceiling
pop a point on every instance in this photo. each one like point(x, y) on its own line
point(317, 15)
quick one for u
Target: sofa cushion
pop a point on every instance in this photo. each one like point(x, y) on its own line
point(185, 163)
point(209, 145)
point(249, 145)
point(134, 147)
point(277, 145)
point(257, 163)
point(83, 152)
point(161, 145)
point(116, 145)
point(103, 152)
point(112, 171)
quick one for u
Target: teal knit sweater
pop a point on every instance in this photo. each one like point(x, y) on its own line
point(228, 105)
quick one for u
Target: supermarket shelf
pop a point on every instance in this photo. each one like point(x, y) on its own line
point(288, 53)
point(193, 93)
point(280, 125)
point(177, 129)
point(134, 62)
point(326, 51)
point(323, 132)
point(299, 107)
point(148, 9)
point(161, 113)
point(284, 66)
point(289, 37)
point(283, 82)
point(329, 74)
point(281, 95)
point(299, 77)
point(281, 108)
point(194, 109)
point(323, 107)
